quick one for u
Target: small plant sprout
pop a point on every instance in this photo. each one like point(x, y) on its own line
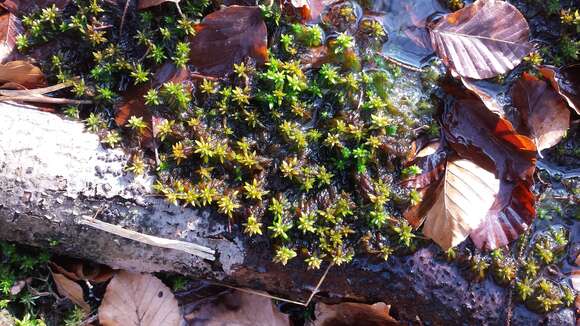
point(208, 87)
point(241, 70)
point(405, 233)
point(313, 262)
point(181, 54)
point(137, 166)
point(152, 97)
point(289, 168)
point(280, 229)
point(524, 289)
point(283, 255)
point(165, 128)
point(95, 122)
point(386, 252)
point(254, 190)
point(112, 138)
point(205, 149)
point(306, 222)
point(342, 43)
point(252, 226)
point(228, 203)
point(137, 124)
point(178, 152)
point(139, 74)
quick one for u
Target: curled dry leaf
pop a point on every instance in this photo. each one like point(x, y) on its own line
point(21, 73)
point(144, 4)
point(482, 40)
point(138, 299)
point(345, 314)
point(511, 214)
point(544, 114)
point(566, 81)
point(228, 36)
point(484, 137)
point(234, 308)
point(405, 22)
point(10, 27)
point(70, 289)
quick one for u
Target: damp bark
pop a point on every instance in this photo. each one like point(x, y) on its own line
point(54, 176)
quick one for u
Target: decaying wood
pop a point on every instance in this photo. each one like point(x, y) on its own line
point(54, 177)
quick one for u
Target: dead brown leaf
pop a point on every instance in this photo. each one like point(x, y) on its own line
point(346, 314)
point(10, 27)
point(138, 299)
point(464, 196)
point(510, 215)
point(22, 73)
point(566, 81)
point(484, 137)
point(310, 10)
point(237, 308)
point(482, 40)
point(78, 270)
point(70, 289)
point(228, 36)
point(545, 117)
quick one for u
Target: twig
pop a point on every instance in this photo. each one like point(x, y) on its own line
point(179, 8)
point(318, 285)
point(123, 17)
point(37, 91)
point(400, 64)
point(43, 99)
point(188, 247)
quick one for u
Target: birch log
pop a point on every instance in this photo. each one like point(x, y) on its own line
point(61, 190)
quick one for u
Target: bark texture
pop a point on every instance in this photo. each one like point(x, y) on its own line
point(52, 174)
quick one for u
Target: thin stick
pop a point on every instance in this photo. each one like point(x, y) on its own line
point(43, 99)
point(179, 8)
point(123, 17)
point(318, 285)
point(190, 248)
point(260, 293)
point(36, 91)
point(400, 64)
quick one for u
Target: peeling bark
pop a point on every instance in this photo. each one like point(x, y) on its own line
point(53, 174)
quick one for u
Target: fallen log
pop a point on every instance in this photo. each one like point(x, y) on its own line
point(59, 189)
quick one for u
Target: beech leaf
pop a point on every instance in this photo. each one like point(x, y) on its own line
point(511, 214)
point(235, 308)
point(22, 73)
point(350, 313)
point(482, 40)
point(138, 299)
point(310, 10)
point(544, 114)
point(566, 81)
point(228, 36)
point(465, 194)
point(10, 27)
point(486, 138)
point(71, 290)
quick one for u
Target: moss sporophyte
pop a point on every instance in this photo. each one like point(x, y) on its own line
point(305, 151)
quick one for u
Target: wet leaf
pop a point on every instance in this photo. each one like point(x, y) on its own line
point(482, 40)
point(484, 137)
point(463, 197)
point(511, 214)
point(10, 27)
point(566, 81)
point(345, 314)
point(545, 117)
point(486, 91)
point(405, 22)
point(21, 73)
point(138, 299)
point(228, 36)
point(70, 289)
point(144, 4)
